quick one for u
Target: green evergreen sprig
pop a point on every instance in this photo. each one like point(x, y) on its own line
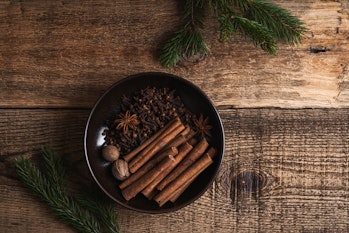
point(50, 187)
point(259, 34)
point(189, 40)
point(279, 21)
point(102, 209)
point(265, 23)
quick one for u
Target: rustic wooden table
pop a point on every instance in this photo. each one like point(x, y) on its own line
point(286, 117)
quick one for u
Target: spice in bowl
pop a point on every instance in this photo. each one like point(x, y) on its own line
point(162, 146)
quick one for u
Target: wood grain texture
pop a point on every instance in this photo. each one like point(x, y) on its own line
point(285, 169)
point(67, 53)
point(301, 157)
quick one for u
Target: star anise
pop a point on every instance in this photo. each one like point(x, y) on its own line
point(126, 121)
point(202, 126)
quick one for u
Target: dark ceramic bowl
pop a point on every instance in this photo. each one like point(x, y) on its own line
point(194, 100)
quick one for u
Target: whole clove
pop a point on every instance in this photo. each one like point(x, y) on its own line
point(150, 109)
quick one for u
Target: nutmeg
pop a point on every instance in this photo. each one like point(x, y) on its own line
point(120, 169)
point(110, 153)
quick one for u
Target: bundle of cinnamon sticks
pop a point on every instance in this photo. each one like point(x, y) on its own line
point(166, 164)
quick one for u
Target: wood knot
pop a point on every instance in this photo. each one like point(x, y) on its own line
point(195, 58)
point(247, 181)
point(247, 184)
point(318, 49)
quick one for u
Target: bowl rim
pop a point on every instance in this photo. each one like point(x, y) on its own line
point(160, 210)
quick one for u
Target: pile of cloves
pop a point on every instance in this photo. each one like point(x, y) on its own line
point(142, 114)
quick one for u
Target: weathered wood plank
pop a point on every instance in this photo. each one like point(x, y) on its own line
point(66, 53)
point(300, 157)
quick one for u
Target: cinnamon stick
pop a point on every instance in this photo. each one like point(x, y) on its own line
point(194, 154)
point(177, 141)
point(133, 189)
point(147, 142)
point(182, 153)
point(184, 136)
point(186, 131)
point(190, 134)
point(192, 141)
point(211, 152)
point(155, 146)
point(150, 190)
point(168, 191)
point(172, 151)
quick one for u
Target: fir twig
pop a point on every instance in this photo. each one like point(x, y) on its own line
point(49, 186)
point(189, 40)
point(279, 21)
point(172, 50)
point(54, 170)
point(259, 34)
point(264, 22)
point(104, 212)
point(64, 206)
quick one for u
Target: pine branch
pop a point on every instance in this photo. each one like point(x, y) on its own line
point(194, 13)
point(264, 22)
point(49, 187)
point(189, 40)
point(242, 5)
point(33, 178)
point(104, 212)
point(279, 21)
point(64, 207)
point(54, 170)
point(260, 35)
point(172, 50)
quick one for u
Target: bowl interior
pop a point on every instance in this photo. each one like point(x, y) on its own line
point(105, 108)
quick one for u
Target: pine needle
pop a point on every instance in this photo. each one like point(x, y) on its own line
point(49, 186)
point(279, 21)
point(172, 50)
point(189, 40)
point(264, 22)
point(260, 35)
point(54, 170)
point(93, 201)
